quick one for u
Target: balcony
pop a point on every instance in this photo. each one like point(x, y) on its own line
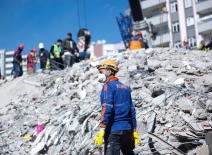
point(204, 26)
point(151, 8)
point(155, 20)
point(149, 4)
point(164, 40)
point(204, 7)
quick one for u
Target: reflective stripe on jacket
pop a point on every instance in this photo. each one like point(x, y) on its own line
point(57, 50)
point(118, 111)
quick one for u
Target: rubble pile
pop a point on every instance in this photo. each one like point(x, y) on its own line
point(171, 90)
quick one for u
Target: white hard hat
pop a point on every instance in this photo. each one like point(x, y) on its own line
point(41, 45)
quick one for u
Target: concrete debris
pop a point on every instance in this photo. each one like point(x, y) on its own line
point(171, 90)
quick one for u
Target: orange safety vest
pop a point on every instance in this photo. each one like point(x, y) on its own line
point(134, 45)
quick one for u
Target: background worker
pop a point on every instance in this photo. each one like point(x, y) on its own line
point(186, 45)
point(55, 55)
point(31, 61)
point(209, 45)
point(70, 48)
point(118, 118)
point(135, 43)
point(44, 56)
point(202, 46)
point(143, 43)
point(17, 61)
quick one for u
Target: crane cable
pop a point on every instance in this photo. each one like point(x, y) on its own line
point(85, 14)
point(79, 13)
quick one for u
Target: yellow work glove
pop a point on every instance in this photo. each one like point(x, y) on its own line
point(20, 64)
point(47, 63)
point(99, 137)
point(136, 138)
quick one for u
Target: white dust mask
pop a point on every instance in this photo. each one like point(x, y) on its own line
point(102, 78)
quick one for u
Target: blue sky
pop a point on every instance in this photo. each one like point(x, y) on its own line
point(33, 21)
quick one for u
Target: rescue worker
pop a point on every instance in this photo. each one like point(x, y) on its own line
point(94, 57)
point(202, 46)
point(70, 48)
point(143, 43)
point(44, 56)
point(31, 61)
point(135, 43)
point(209, 45)
point(118, 116)
point(55, 55)
point(17, 61)
point(186, 45)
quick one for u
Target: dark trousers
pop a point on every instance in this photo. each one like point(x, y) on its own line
point(54, 64)
point(84, 55)
point(17, 70)
point(61, 65)
point(76, 59)
point(119, 140)
point(43, 64)
point(69, 60)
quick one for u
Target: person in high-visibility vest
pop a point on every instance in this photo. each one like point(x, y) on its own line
point(55, 54)
point(202, 46)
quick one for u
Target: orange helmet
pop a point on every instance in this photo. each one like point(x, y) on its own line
point(108, 64)
point(33, 50)
point(21, 46)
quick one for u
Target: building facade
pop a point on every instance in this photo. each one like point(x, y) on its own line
point(105, 49)
point(177, 20)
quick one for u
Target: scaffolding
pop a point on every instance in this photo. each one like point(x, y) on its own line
point(126, 28)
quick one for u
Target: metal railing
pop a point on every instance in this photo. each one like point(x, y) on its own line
point(2, 63)
point(7, 58)
point(205, 20)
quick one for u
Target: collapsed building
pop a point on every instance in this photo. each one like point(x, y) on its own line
point(171, 90)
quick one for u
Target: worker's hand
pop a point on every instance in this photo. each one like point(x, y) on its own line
point(77, 54)
point(99, 137)
point(55, 55)
point(47, 63)
point(20, 64)
point(136, 138)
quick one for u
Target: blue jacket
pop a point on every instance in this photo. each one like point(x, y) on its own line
point(118, 111)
